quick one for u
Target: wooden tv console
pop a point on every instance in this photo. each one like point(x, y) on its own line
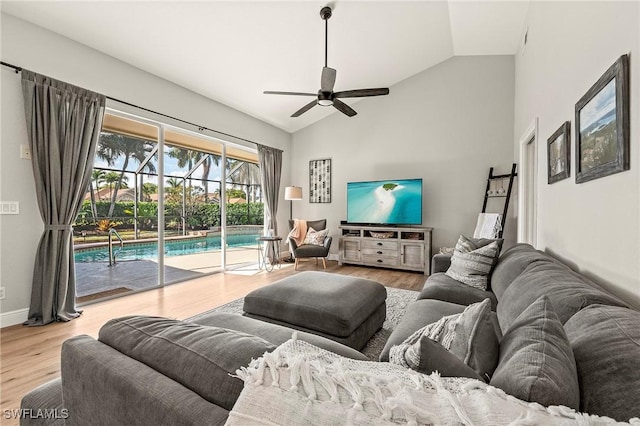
point(386, 246)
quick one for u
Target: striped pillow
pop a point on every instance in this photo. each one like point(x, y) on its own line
point(469, 335)
point(472, 263)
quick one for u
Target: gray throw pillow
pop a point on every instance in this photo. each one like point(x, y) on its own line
point(434, 357)
point(473, 260)
point(606, 344)
point(536, 361)
point(470, 336)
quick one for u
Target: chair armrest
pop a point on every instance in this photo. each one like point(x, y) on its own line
point(292, 244)
point(327, 241)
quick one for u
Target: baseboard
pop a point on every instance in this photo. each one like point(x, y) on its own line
point(14, 317)
point(333, 257)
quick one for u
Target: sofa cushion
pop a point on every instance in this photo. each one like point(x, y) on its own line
point(200, 358)
point(470, 336)
point(442, 287)
point(273, 333)
point(536, 361)
point(472, 261)
point(606, 344)
point(511, 263)
point(569, 292)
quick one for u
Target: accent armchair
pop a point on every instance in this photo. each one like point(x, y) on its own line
point(311, 250)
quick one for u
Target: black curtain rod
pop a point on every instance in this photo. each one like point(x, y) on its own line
point(200, 128)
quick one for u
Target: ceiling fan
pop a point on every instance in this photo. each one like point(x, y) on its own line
point(326, 96)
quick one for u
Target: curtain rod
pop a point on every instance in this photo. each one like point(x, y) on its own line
point(199, 127)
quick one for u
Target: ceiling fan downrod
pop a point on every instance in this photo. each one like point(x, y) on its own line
point(325, 14)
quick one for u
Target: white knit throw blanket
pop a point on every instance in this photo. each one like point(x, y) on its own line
point(300, 384)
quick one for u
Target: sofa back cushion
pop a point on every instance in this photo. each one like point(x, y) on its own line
point(606, 344)
point(536, 363)
point(199, 357)
point(568, 291)
point(512, 262)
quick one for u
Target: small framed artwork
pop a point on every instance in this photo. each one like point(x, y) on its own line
point(559, 154)
point(320, 181)
point(602, 125)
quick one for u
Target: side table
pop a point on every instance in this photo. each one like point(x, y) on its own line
point(267, 247)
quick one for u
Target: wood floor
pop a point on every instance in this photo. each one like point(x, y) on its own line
point(30, 356)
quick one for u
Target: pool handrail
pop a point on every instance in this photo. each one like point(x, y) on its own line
point(112, 255)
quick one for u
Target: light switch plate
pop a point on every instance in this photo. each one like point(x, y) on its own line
point(9, 207)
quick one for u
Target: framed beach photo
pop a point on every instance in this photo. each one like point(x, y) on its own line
point(320, 181)
point(559, 154)
point(602, 125)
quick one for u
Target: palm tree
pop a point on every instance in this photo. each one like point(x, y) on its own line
point(97, 177)
point(187, 158)
point(175, 190)
point(245, 174)
point(112, 146)
point(115, 179)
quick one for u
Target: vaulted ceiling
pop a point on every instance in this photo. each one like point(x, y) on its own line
point(231, 51)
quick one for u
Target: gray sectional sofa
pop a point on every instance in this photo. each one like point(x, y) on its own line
point(146, 370)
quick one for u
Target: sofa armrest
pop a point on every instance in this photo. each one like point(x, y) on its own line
point(103, 386)
point(440, 262)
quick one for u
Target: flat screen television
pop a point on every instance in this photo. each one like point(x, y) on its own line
point(385, 202)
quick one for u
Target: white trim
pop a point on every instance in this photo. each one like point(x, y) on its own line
point(14, 317)
point(529, 136)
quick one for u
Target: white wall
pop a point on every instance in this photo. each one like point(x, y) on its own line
point(447, 125)
point(42, 51)
point(594, 225)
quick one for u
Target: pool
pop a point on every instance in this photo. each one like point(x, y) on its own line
point(171, 248)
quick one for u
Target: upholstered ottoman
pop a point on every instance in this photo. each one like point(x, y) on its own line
point(348, 310)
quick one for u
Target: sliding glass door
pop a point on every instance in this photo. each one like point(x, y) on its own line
point(164, 205)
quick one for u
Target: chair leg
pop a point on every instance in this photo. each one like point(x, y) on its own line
point(324, 264)
point(295, 267)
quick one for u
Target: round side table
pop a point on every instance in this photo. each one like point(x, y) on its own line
point(267, 246)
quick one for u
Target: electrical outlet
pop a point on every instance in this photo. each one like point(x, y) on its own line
point(2, 293)
point(25, 152)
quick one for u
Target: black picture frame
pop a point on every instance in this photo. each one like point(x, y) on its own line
point(559, 154)
point(602, 130)
point(320, 181)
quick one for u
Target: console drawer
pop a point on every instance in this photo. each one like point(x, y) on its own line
point(372, 259)
point(380, 244)
point(380, 252)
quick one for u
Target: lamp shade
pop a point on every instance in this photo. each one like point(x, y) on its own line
point(293, 193)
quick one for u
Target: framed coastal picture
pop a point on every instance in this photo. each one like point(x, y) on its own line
point(320, 181)
point(602, 125)
point(559, 154)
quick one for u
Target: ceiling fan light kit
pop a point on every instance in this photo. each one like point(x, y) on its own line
point(326, 96)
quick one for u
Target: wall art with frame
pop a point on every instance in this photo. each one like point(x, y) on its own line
point(559, 154)
point(602, 125)
point(320, 181)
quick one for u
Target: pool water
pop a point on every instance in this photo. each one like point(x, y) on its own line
point(171, 248)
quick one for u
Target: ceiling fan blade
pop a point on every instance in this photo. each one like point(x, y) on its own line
point(271, 92)
point(343, 108)
point(305, 108)
point(361, 93)
point(328, 79)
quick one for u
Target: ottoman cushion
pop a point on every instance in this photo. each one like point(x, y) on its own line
point(327, 303)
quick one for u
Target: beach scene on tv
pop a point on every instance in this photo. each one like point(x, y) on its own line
point(397, 202)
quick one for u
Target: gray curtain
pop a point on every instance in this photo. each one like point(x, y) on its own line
point(270, 160)
point(63, 124)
